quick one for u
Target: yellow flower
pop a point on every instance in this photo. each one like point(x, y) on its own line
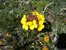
point(46, 38)
point(45, 48)
point(35, 20)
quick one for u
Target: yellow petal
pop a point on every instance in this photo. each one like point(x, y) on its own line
point(41, 22)
point(31, 27)
point(30, 23)
point(23, 26)
point(40, 27)
point(35, 25)
point(34, 21)
point(35, 13)
point(26, 28)
point(23, 19)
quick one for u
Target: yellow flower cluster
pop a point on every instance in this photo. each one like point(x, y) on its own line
point(33, 23)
